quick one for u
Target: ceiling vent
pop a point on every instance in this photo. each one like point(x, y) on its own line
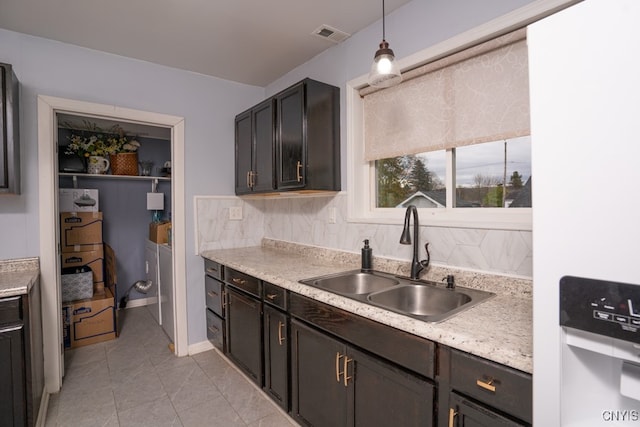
point(329, 33)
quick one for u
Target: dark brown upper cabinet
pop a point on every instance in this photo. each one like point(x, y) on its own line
point(9, 131)
point(255, 149)
point(299, 149)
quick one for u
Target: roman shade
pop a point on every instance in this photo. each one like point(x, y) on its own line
point(480, 94)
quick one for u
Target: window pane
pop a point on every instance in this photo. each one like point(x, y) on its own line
point(483, 169)
point(411, 180)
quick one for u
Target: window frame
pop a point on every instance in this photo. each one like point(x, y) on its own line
point(361, 179)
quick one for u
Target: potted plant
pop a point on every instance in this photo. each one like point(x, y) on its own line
point(93, 145)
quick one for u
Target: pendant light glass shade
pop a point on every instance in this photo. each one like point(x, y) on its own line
point(384, 70)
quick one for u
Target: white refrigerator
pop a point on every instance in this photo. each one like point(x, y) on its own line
point(585, 122)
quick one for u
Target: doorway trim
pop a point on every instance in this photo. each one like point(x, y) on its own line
point(48, 107)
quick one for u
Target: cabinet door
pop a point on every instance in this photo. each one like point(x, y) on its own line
point(466, 413)
point(381, 394)
point(243, 152)
point(9, 131)
point(263, 147)
point(12, 377)
point(290, 139)
point(244, 333)
point(318, 394)
point(276, 360)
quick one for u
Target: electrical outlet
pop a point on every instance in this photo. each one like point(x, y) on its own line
point(235, 213)
point(332, 215)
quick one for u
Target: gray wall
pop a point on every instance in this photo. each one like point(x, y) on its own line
point(208, 105)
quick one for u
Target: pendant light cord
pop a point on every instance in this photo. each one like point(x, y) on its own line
point(383, 29)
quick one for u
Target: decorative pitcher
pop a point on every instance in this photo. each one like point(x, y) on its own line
point(97, 165)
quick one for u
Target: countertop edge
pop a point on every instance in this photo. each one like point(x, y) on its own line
point(17, 276)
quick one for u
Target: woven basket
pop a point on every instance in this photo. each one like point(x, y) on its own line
point(124, 164)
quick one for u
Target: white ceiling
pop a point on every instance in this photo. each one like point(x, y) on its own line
point(248, 41)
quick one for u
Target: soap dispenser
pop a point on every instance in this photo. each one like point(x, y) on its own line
point(366, 256)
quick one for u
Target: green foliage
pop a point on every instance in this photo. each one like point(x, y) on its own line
point(420, 178)
point(493, 198)
point(392, 181)
point(516, 180)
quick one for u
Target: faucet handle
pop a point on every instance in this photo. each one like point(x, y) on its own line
point(425, 262)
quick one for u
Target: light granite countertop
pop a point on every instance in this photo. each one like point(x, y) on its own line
point(17, 276)
point(499, 329)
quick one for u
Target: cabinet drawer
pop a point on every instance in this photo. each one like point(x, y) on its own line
point(496, 385)
point(213, 269)
point(243, 281)
point(215, 330)
point(214, 295)
point(402, 348)
point(275, 295)
point(10, 311)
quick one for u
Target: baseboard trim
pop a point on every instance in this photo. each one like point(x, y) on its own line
point(141, 302)
point(44, 408)
point(200, 347)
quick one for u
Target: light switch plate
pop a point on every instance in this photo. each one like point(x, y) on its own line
point(235, 213)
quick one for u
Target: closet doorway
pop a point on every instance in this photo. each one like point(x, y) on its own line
point(49, 110)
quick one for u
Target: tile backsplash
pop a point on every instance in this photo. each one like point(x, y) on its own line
point(306, 220)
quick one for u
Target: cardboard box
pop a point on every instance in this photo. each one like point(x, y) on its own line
point(80, 231)
point(93, 259)
point(159, 232)
point(89, 321)
point(78, 200)
point(110, 276)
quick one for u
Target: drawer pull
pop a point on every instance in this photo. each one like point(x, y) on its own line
point(212, 294)
point(452, 416)
point(224, 299)
point(211, 270)
point(239, 281)
point(280, 336)
point(487, 385)
point(338, 357)
point(345, 372)
point(271, 297)
point(213, 329)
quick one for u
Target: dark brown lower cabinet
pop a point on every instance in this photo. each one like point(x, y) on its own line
point(244, 332)
point(13, 408)
point(467, 413)
point(334, 384)
point(21, 359)
point(276, 355)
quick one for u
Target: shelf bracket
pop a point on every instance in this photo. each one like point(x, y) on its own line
point(75, 181)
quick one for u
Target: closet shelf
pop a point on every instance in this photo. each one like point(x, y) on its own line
point(124, 177)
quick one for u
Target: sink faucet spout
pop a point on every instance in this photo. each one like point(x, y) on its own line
point(405, 239)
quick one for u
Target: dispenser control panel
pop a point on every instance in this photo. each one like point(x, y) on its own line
point(601, 307)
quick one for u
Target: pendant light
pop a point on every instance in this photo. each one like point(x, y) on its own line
point(384, 70)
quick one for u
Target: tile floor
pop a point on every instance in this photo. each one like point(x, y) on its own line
point(135, 380)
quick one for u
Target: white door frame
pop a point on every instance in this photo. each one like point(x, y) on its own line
point(48, 220)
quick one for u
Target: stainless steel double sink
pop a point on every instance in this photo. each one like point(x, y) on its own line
point(425, 300)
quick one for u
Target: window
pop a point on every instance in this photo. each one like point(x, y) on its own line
point(452, 139)
point(490, 175)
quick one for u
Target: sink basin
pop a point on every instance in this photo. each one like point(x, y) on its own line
point(420, 300)
point(353, 282)
point(424, 300)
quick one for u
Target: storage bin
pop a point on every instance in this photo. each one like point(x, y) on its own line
point(77, 283)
